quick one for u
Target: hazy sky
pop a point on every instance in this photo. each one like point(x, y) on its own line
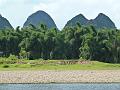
point(17, 11)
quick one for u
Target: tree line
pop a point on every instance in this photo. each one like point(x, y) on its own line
point(70, 43)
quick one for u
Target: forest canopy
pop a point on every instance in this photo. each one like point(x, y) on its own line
point(70, 43)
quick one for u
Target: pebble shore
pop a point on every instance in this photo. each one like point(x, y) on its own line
point(53, 76)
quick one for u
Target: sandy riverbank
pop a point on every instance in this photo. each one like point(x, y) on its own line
point(71, 76)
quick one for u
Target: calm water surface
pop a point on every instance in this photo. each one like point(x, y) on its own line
point(59, 86)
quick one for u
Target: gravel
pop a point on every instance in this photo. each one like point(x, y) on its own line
point(53, 76)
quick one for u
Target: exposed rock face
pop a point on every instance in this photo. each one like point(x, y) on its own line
point(101, 21)
point(40, 17)
point(4, 23)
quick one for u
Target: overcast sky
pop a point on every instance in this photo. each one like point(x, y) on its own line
point(17, 11)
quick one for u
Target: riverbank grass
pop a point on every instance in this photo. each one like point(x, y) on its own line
point(55, 65)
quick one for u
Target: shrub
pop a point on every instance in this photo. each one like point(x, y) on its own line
point(5, 66)
point(12, 57)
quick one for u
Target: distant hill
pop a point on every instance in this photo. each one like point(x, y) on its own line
point(40, 17)
point(101, 21)
point(4, 23)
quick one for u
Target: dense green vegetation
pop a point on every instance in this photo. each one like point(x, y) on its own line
point(70, 43)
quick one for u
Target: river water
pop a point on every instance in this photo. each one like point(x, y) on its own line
point(60, 86)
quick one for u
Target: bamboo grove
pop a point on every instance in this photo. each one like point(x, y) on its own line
point(70, 43)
